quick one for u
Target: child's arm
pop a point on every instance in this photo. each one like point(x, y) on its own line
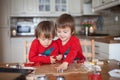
point(75, 51)
point(35, 56)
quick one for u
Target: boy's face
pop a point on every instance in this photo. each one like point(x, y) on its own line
point(45, 42)
point(64, 34)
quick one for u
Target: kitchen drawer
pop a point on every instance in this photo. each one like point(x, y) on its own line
point(102, 47)
point(102, 55)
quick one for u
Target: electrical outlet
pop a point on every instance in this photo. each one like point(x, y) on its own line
point(116, 18)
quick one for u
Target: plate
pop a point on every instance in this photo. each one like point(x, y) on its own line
point(115, 73)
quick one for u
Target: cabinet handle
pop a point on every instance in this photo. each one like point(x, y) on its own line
point(96, 46)
point(103, 2)
point(113, 0)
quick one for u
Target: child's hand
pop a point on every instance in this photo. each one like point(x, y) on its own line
point(63, 66)
point(59, 57)
point(52, 59)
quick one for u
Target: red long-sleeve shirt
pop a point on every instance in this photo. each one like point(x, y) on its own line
point(39, 54)
point(72, 49)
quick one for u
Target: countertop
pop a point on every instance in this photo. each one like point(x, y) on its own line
point(104, 39)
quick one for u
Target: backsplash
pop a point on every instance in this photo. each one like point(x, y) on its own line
point(36, 20)
point(111, 22)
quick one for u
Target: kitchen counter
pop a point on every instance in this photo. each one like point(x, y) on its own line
point(108, 41)
point(104, 39)
point(17, 36)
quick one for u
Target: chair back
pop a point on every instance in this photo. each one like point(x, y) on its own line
point(88, 48)
point(27, 45)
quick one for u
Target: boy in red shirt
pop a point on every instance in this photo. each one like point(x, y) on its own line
point(70, 48)
point(43, 48)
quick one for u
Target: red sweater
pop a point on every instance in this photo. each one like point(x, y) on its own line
point(39, 54)
point(72, 49)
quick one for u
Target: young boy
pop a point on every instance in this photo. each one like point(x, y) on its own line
point(43, 49)
point(69, 44)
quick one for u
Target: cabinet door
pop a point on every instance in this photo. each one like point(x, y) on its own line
point(31, 7)
point(107, 1)
point(17, 7)
point(20, 49)
point(102, 50)
point(17, 47)
point(60, 6)
point(4, 13)
point(96, 3)
point(53, 7)
point(75, 7)
point(44, 5)
point(5, 51)
point(104, 4)
point(114, 51)
point(24, 7)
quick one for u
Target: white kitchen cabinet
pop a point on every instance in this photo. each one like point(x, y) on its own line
point(104, 4)
point(106, 1)
point(80, 8)
point(49, 7)
point(75, 7)
point(38, 7)
point(87, 9)
point(96, 4)
point(101, 50)
point(5, 51)
point(107, 50)
point(52, 7)
point(20, 49)
point(24, 7)
point(4, 13)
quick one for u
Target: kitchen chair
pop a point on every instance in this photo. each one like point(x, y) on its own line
point(88, 48)
point(26, 50)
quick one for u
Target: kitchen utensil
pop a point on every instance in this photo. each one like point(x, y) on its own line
point(42, 77)
point(60, 78)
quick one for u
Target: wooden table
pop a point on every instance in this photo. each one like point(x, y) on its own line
point(112, 64)
point(74, 72)
point(78, 74)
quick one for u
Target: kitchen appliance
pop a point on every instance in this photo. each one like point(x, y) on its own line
point(25, 28)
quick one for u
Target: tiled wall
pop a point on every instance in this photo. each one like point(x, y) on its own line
point(110, 19)
point(111, 22)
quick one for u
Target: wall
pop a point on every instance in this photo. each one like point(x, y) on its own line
point(111, 21)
